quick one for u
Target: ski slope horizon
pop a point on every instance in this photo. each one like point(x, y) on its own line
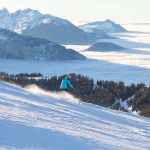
point(32, 118)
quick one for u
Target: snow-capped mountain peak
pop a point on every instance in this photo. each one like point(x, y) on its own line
point(33, 23)
point(24, 19)
point(107, 26)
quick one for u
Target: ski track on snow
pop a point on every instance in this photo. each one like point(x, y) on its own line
point(101, 128)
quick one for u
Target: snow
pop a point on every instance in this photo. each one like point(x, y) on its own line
point(124, 104)
point(43, 120)
point(46, 21)
point(107, 26)
point(27, 18)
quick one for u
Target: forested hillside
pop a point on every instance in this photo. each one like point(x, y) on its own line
point(104, 93)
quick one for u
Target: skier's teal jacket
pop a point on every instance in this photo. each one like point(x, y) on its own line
point(65, 84)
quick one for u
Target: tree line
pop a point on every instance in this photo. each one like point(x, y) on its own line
point(103, 93)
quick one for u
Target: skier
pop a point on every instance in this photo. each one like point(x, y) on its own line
point(65, 84)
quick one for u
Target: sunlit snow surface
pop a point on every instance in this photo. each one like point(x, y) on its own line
point(34, 119)
point(129, 65)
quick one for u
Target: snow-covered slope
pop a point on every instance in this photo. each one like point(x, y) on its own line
point(15, 46)
point(35, 119)
point(107, 26)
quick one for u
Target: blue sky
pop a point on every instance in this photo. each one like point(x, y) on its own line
point(79, 11)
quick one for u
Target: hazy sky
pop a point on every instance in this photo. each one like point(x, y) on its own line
point(78, 11)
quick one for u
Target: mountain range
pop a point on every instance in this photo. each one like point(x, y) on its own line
point(15, 46)
point(37, 35)
point(33, 23)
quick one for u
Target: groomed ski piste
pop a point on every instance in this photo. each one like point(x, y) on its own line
point(33, 119)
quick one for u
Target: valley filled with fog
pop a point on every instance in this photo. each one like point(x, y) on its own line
point(129, 65)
